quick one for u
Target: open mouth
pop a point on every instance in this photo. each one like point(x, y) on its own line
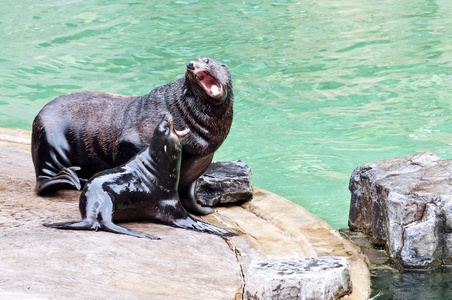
point(182, 133)
point(209, 83)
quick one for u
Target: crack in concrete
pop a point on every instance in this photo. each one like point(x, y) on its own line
point(240, 294)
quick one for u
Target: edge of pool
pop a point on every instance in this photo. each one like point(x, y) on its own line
point(274, 227)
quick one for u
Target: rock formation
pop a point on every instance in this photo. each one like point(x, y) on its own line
point(304, 278)
point(225, 182)
point(37, 261)
point(405, 205)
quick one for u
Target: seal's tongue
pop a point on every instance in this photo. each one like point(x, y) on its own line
point(209, 83)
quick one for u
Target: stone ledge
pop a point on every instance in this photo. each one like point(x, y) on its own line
point(405, 205)
point(225, 183)
point(302, 278)
point(39, 262)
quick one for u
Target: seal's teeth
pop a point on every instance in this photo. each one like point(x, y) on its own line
point(215, 90)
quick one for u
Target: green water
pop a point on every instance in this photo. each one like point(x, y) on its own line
point(321, 87)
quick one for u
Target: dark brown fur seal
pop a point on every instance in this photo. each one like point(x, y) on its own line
point(145, 188)
point(77, 135)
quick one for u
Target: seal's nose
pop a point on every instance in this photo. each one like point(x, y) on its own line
point(190, 66)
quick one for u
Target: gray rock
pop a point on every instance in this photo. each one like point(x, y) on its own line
point(225, 182)
point(405, 205)
point(300, 278)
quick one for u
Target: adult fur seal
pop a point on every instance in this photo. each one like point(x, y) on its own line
point(145, 188)
point(77, 135)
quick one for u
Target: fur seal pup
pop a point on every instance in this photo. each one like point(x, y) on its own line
point(77, 135)
point(145, 188)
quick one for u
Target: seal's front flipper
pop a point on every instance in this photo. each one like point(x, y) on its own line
point(46, 184)
point(129, 144)
point(112, 227)
point(192, 224)
point(188, 200)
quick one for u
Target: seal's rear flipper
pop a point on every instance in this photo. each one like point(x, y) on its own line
point(81, 225)
point(192, 224)
point(107, 226)
point(46, 184)
point(112, 227)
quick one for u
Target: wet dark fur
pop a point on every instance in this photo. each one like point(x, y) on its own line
point(145, 188)
point(77, 135)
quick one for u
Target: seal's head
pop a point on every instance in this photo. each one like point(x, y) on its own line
point(208, 77)
point(167, 138)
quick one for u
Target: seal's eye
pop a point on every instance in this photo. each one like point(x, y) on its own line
point(163, 128)
point(206, 60)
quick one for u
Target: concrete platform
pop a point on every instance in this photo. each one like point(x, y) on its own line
point(43, 263)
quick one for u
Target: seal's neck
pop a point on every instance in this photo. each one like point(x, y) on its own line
point(160, 171)
point(208, 123)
